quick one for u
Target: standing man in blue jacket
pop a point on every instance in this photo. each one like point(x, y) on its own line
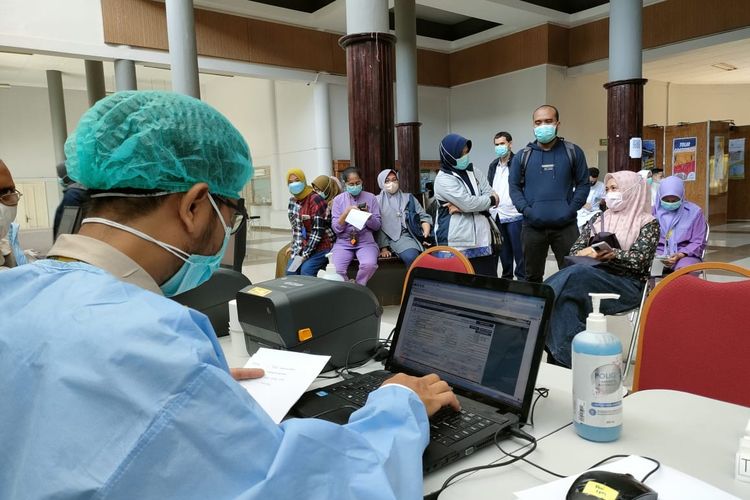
point(549, 182)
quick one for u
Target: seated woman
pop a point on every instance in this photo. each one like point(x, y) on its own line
point(405, 226)
point(327, 188)
point(312, 237)
point(351, 241)
point(464, 198)
point(628, 217)
point(682, 226)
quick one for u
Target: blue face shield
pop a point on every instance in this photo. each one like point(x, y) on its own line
point(195, 270)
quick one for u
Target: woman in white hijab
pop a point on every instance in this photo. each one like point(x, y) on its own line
point(405, 226)
point(632, 234)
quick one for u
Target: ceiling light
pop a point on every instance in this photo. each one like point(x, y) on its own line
point(724, 66)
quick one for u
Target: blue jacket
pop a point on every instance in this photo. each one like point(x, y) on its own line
point(553, 190)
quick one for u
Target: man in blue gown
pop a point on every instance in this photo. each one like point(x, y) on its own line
point(111, 390)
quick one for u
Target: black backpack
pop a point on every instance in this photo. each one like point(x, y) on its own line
point(570, 150)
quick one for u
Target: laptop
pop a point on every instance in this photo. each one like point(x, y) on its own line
point(483, 335)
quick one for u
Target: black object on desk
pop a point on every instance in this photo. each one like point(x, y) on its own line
point(625, 486)
point(312, 315)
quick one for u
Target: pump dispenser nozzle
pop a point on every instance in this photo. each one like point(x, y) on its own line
point(596, 322)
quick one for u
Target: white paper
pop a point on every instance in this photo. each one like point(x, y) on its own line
point(669, 483)
point(296, 262)
point(288, 375)
point(358, 218)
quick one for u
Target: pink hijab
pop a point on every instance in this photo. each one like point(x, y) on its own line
point(633, 213)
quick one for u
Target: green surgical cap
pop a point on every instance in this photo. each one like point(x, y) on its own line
point(157, 141)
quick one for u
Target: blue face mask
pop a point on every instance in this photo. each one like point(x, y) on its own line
point(671, 205)
point(296, 187)
point(501, 150)
point(545, 133)
point(354, 190)
point(195, 270)
point(463, 162)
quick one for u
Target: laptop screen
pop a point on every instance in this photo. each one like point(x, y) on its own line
point(474, 338)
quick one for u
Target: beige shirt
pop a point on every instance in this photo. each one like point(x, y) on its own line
point(106, 257)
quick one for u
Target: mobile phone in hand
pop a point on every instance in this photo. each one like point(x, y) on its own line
point(362, 206)
point(601, 247)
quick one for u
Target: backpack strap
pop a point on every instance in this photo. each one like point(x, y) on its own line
point(525, 154)
point(570, 150)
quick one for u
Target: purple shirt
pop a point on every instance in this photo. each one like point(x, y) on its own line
point(344, 232)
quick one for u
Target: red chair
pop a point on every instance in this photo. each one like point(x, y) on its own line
point(695, 335)
point(447, 259)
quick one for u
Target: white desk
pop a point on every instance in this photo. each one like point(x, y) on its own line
point(695, 435)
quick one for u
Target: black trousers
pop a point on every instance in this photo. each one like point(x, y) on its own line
point(536, 244)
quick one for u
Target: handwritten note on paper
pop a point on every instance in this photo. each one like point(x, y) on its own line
point(358, 218)
point(288, 375)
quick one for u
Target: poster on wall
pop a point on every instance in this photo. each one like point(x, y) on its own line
point(684, 157)
point(648, 154)
point(736, 158)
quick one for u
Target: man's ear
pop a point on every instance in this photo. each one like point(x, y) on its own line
point(190, 205)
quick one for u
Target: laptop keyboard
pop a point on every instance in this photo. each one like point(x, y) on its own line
point(447, 426)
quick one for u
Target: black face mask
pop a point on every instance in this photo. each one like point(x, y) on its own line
point(592, 183)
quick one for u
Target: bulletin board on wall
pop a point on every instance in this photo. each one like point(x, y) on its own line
point(738, 200)
point(653, 147)
point(718, 171)
point(689, 159)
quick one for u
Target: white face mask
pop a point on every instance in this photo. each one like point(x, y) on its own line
point(7, 215)
point(614, 200)
point(390, 187)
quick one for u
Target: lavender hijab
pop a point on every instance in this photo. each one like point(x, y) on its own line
point(392, 207)
point(675, 226)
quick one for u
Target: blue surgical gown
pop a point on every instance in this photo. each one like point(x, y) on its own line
point(111, 391)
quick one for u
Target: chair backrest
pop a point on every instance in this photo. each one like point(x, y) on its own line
point(694, 335)
point(442, 258)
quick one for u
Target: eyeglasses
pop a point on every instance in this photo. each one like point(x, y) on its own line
point(11, 197)
point(239, 215)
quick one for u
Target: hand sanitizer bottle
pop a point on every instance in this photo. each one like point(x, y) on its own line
point(597, 378)
point(742, 470)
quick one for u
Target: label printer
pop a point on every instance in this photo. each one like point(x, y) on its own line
point(312, 315)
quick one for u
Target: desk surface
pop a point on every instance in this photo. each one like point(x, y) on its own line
point(695, 435)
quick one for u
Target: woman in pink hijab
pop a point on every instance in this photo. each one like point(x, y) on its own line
point(622, 270)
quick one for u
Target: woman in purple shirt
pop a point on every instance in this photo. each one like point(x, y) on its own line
point(683, 226)
point(351, 241)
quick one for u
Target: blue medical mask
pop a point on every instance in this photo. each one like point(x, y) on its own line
point(354, 190)
point(501, 150)
point(670, 205)
point(545, 133)
point(195, 270)
point(296, 187)
point(463, 162)
point(322, 194)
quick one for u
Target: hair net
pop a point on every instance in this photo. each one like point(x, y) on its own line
point(157, 140)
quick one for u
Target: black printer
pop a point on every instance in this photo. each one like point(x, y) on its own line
point(312, 315)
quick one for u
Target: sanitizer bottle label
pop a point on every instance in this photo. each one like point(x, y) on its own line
point(597, 390)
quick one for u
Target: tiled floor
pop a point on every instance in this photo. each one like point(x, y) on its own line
point(728, 243)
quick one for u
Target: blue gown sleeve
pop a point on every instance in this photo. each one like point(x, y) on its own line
point(213, 441)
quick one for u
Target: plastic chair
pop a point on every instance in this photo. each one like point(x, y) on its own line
point(455, 261)
point(695, 336)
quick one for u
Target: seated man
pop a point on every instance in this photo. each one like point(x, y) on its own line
point(682, 237)
point(114, 391)
point(11, 254)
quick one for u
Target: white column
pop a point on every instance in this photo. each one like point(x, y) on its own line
point(367, 16)
point(57, 114)
point(323, 144)
point(183, 52)
point(125, 78)
point(279, 192)
point(406, 61)
point(625, 44)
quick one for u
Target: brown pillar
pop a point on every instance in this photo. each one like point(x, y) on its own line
point(624, 121)
point(408, 156)
point(369, 71)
